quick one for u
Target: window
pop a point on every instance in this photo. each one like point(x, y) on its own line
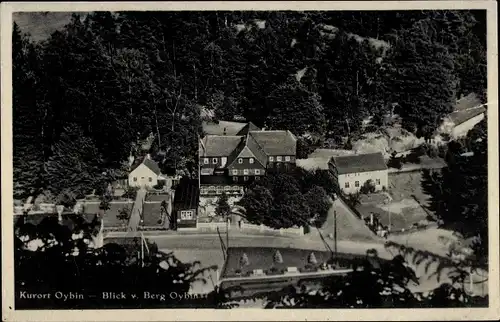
point(187, 215)
point(245, 171)
point(245, 178)
point(240, 160)
point(235, 179)
point(347, 184)
point(257, 171)
point(257, 178)
point(227, 188)
point(214, 160)
point(219, 190)
point(135, 178)
point(278, 158)
point(377, 181)
point(356, 184)
point(271, 159)
point(287, 158)
point(203, 191)
point(205, 160)
point(250, 160)
point(150, 179)
point(142, 178)
point(235, 172)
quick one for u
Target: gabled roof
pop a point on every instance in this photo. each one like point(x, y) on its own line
point(248, 148)
point(217, 128)
point(249, 127)
point(360, 163)
point(257, 150)
point(150, 164)
point(275, 142)
point(218, 145)
point(187, 194)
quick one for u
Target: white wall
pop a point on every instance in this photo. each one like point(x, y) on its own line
point(462, 129)
point(362, 178)
point(142, 173)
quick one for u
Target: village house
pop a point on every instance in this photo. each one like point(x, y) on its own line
point(228, 161)
point(145, 174)
point(352, 171)
point(467, 113)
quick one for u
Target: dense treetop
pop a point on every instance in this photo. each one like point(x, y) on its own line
point(108, 80)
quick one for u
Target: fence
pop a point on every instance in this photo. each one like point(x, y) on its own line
point(213, 225)
point(262, 228)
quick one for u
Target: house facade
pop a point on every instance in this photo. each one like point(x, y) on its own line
point(145, 174)
point(230, 162)
point(352, 171)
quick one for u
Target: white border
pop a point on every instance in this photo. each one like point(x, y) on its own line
point(493, 312)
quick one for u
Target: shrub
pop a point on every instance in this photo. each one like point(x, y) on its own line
point(367, 187)
point(159, 186)
point(395, 162)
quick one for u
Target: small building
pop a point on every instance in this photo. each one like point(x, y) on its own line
point(145, 174)
point(467, 113)
point(352, 171)
point(186, 200)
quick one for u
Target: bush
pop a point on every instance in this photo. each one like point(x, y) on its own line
point(159, 186)
point(395, 162)
point(368, 187)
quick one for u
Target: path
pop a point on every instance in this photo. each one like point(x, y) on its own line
point(135, 216)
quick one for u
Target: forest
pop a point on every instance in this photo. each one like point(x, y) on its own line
point(85, 98)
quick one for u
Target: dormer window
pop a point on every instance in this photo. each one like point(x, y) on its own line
point(205, 160)
point(214, 160)
point(271, 159)
point(240, 160)
point(250, 160)
point(278, 159)
point(287, 158)
point(245, 171)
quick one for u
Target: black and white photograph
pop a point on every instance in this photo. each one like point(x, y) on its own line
point(235, 158)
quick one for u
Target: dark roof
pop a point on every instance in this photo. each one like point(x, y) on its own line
point(257, 150)
point(217, 128)
point(276, 142)
point(459, 117)
point(257, 144)
point(263, 258)
point(249, 127)
point(151, 164)
point(360, 163)
point(187, 194)
point(219, 145)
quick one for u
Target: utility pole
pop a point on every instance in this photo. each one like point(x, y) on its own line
point(335, 231)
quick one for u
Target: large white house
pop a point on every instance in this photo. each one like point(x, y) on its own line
point(352, 171)
point(145, 174)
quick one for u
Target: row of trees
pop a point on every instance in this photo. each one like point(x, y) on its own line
point(459, 192)
point(284, 200)
point(86, 97)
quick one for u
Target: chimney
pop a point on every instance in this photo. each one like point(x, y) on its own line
point(148, 156)
point(224, 132)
